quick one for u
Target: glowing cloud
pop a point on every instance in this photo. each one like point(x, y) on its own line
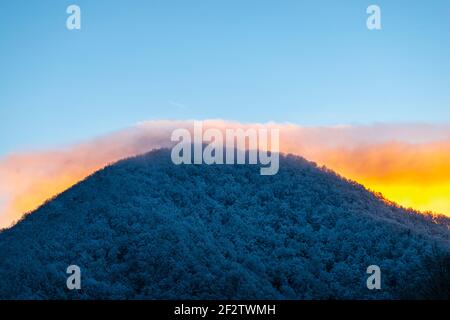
point(409, 164)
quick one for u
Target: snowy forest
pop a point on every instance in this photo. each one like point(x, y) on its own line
point(144, 228)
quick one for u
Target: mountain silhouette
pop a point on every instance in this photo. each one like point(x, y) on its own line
point(144, 228)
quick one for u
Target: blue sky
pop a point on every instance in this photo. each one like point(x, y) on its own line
point(307, 62)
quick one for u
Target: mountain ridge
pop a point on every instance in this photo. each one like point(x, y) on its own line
point(305, 233)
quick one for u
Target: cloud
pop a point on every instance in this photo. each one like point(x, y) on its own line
point(408, 163)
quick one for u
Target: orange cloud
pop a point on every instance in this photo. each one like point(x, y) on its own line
point(413, 175)
point(409, 164)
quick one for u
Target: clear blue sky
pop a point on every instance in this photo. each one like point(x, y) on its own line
point(309, 62)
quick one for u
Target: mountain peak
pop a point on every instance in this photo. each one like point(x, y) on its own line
point(146, 228)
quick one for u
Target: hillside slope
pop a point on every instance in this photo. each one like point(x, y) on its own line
point(145, 228)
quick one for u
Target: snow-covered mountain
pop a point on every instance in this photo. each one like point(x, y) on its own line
point(146, 228)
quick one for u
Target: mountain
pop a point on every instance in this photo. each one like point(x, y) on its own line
point(144, 228)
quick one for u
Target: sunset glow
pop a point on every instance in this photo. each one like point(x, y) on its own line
point(412, 175)
point(415, 175)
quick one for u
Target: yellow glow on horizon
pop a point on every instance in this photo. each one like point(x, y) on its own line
point(412, 175)
point(43, 192)
point(433, 198)
point(40, 192)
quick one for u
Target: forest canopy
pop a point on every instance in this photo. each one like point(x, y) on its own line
point(144, 228)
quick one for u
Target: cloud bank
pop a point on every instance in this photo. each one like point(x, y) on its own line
point(408, 163)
